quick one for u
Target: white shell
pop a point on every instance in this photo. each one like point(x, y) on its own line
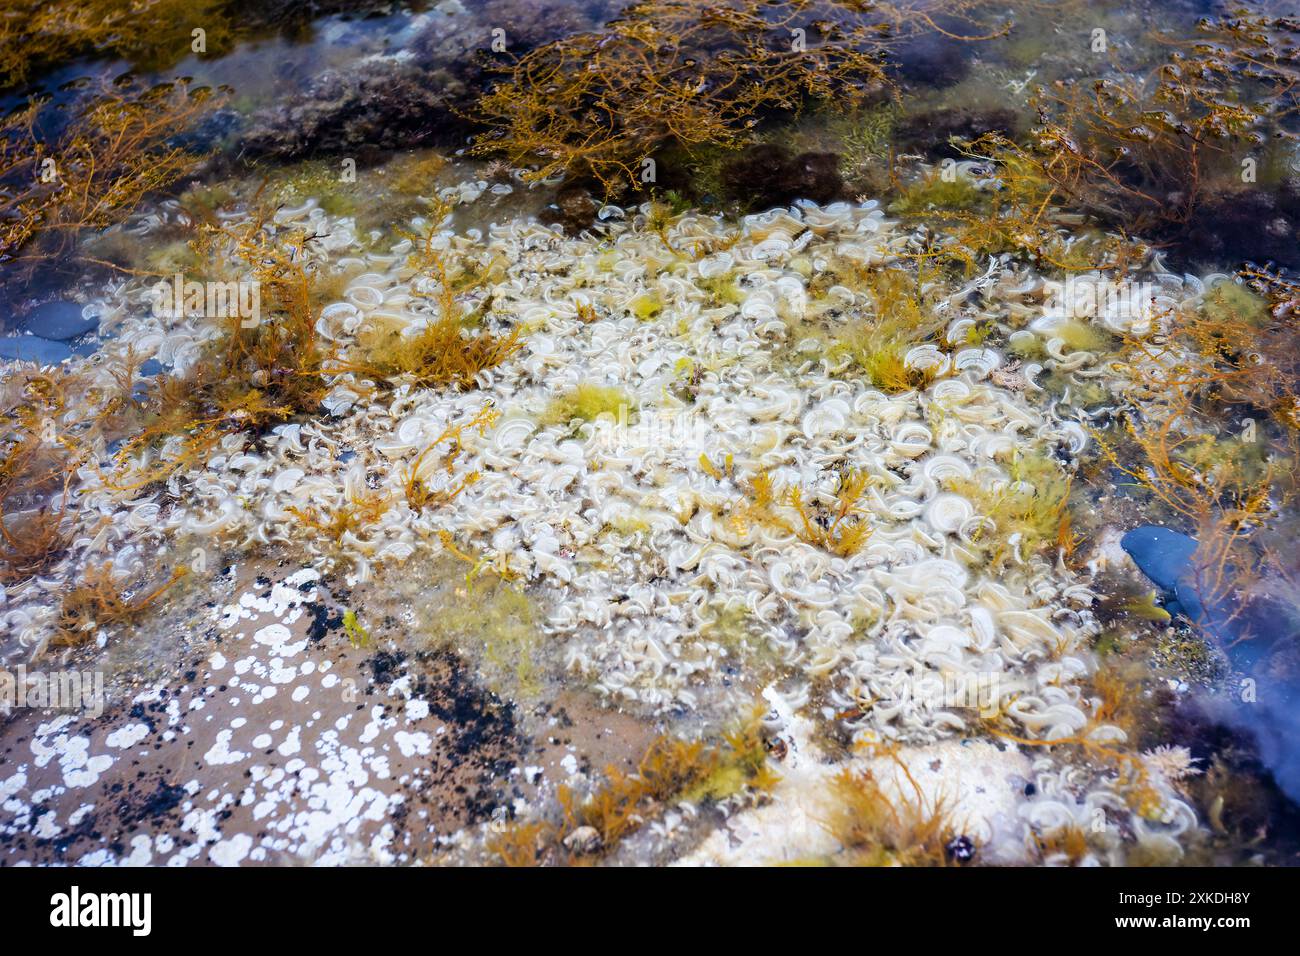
point(948, 512)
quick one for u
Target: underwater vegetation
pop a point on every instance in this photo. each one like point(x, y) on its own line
point(831, 329)
point(1163, 155)
point(902, 316)
point(98, 600)
point(1029, 511)
point(587, 403)
point(691, 74)
point(116, 146)
point(1112, 736)
point(1229, 357)
point(418, 494)
point(836, 522)
point(590, 827)
point(255, 375)
point(37, 36)
point(34, 466)
point(448, 351)
point(487, 617)
point(1025, 212)
point(877, 826)
point(1208, 440)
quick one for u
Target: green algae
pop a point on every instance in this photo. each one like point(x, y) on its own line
point(489, 620)
point(1028, 509)
point(721, 290)
point(1228, 302)
point(587, 403)
point(937, 193)
point(1083, 337)
point(357, 635)
point(327, 182)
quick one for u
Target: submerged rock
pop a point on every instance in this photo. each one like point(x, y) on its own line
point(382, 105)
point(931, 133)
point(58, 321)
point(414, 96)
point(574, 210)
point(1268, 708)
point(1252, 223)
point(933, 60)
point(766, 175)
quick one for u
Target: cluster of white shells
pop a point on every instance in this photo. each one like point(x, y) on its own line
point(622, 530)
point(618, 529)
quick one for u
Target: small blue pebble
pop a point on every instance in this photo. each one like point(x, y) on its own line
point(58, 321)
point(30, 348)
point(1163, 555)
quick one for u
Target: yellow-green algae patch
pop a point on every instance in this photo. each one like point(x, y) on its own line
point(587, 403)
point(490, 621)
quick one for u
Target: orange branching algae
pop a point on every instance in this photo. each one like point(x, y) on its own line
point(447, 352)
point(671, 770)
point(627, 799)
point(117, 149)
point(1142, 154)
point(38, 34)
point(30, 543)
point(359, 512)
point(256, 374)
point(691, 73)
point(838, 526)
point(1233, 355)
point(97, 601)
point(36, 465)
point(902, 315)
point(879, 828)
point(418, 496)
point(1115, 708)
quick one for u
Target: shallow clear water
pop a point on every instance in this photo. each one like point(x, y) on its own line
point(633, 409)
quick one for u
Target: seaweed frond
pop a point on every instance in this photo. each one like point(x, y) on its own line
point(118, 146)
point(670, 771)
point(902, 316)
point(887, 826)
point(1028, 512)
point(587, 402)
point(253, 375)
point(97, 601)
point(691, 74)
point(418, 494)
point(838, 526)
point(447, 351)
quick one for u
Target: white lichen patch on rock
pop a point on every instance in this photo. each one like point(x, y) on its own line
point(229, 764)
